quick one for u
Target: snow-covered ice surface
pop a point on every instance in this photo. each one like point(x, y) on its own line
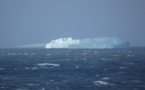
point(72, 69)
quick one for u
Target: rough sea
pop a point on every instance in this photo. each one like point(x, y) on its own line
point(72, 69)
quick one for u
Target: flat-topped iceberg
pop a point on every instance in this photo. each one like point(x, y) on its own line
point(99, 43)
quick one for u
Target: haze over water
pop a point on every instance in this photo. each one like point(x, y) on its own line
point(29, 23)
point(34, 21)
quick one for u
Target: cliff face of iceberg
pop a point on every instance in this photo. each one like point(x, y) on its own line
point(98, 43)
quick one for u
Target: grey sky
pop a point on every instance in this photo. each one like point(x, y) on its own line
point(39, 21)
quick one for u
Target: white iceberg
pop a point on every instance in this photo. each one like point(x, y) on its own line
point(62, 43)
point(99, 43)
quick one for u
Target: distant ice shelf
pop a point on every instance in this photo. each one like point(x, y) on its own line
point(37, 45)
point(98, 43)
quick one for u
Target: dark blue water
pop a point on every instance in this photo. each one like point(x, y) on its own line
point(72, 69)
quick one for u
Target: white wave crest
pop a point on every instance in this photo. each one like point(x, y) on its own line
point(47, 64)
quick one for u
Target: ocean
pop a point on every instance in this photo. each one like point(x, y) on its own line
point(72, 69)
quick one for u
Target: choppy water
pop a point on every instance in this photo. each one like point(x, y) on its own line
point(72, 69)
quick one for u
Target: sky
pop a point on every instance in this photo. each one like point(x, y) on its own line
point(40, 21)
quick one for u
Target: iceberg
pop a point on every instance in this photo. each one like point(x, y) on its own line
point(98, 43)
point(62, 43)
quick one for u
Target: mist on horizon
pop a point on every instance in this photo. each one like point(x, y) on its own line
point(39, 22)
